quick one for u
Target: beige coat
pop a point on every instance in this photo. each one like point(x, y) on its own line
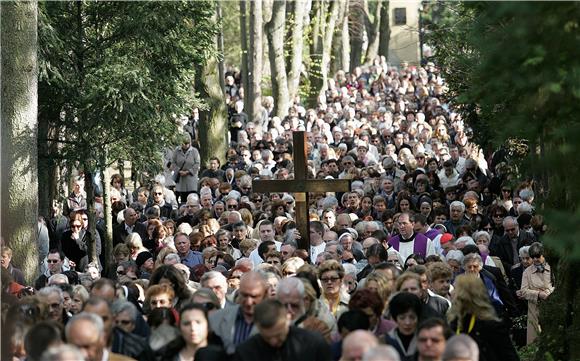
point(533, 282)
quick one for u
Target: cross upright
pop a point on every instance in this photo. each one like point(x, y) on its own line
point(300, 186)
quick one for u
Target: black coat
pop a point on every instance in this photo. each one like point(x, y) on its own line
point(503, 248)
point(505, 293)
point(492, 337)
point(120, 233)
point(300, 345)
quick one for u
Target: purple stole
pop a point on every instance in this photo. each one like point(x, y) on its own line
point(419, 247)
point(432, 233)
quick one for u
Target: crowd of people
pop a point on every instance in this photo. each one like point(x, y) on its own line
point(434, 239)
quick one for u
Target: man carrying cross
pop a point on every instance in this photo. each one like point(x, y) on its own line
point(301, 186)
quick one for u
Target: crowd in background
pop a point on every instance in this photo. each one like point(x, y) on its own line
point(433, 239)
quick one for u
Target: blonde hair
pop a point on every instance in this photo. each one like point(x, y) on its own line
point(383, 284)
point(470, 297)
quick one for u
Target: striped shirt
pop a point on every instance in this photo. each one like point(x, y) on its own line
point(242, 328)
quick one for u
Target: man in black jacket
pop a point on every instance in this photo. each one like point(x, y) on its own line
point(129, 225)
point(507, 248)
point(277, 340)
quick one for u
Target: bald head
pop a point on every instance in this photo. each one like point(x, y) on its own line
point(356, 344)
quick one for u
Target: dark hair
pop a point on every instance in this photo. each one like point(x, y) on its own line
point(263, 247)
point(417, 257)
point(60, 253)
point(174, 276)
point(157, 316)
point(305, 273)
point(378, 250)
point(73, 277)
point(317, 226)
point(353, 320)
point(364, 298)
point(268, 312)
point(470, 248)
point(434, 322)
point(404, 302)
point(40, 337)
point(536, 250)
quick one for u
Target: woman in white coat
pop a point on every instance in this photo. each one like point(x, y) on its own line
point(186, 163)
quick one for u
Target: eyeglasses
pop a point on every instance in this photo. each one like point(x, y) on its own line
point(506, 190)
point(257, 200)
point(329, 279)
point(497, 216)
point(487, 229)
point(536, 256)
point(124, 322)
point(120, 273)
point(510, 229)
point(54, 305)
point(347, 163)
point(158, 193)
point(52, 260)
point(232, 206)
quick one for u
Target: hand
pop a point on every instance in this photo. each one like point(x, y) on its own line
point(71, 264)
point(297, 234)
point(183, 173)
point(542, 295)
point(520, 294)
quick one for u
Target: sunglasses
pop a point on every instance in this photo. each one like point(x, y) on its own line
point(52, 261)
point(158, 193)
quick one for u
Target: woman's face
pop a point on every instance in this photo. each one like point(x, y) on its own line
point(404, 205)
point(407, 323)
point(194, 328)
point(388, 185)
point(482, 240)
point(455, 266)
point(76, 305)
point(330, 282)
point(425, 209)
point(366, 204)
point(433, 166)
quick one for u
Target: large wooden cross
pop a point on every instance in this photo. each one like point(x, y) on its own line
point(300, 186)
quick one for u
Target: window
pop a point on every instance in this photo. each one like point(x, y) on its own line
point(400, 15)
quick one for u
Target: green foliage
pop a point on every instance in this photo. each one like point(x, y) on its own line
point(231, 31)
point(119, 73)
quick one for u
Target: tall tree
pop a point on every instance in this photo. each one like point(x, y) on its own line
point(275, 34)
point(245, 70)
point(373, 28)
point(356, 31)
point(128, 70)
point(296, 48)
point(255, 60)
point(19, 130)
point(384, 30)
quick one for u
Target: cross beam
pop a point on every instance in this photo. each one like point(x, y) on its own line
point(301, 186)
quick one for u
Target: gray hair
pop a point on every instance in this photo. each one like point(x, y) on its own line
point(329, 202)
point(457, 204)
point(213, 275)
point(455, 255)
point(461, 347)
point(172, 256)
point(120, 306)
point(476, 235)
point(350, 269)
point(525, 207)
point(524, 251)
point(97, 321)
point(472, 257)
point(510, 219)
point(526, 195)
point(62, 352)
point(57, 279)
point(381, 353)
point(289, 284)
point(49, 290)
point(339, 247)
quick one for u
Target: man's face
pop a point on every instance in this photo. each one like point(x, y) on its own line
point(206, 201)
point(104, 312)
point(266, 233)
point(456, 214)
point(405, 226)
point(431, 343)
point(346, 242)
point(329, 219)
point(55, 306)
point(277, 334)
point(182, 244)
point(157, 195)
point(249, 295)
point(293, 302)
point(124, 321)
point(84, 335)
point(441, 286)
point(287, 251)
point(5, 259)
point(472, 267)
point(214, 165)
point(232, 205)
point(161, 300)
point(54, 263)
point(240, 233)
point(131, 217)
point(218, 287)
point(411, 286)
point(511, 229)
point(353, 200)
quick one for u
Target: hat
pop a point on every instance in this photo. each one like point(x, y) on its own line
point(142, 258)
point(446, 237)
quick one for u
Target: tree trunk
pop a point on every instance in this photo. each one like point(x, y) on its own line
point(91, 212)
point(244, 60)
point(321, 56)
point(384, 31)
point(19, 45)
point(356, 29)
point(296, 48)
point(255, 63)
point(340, 44)
point(107, 243)
point(373, 29)
point(220, 47)
point(213, 124)
point(275, 34)
point(47, 164)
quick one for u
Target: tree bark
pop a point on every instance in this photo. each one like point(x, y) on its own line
point(356, 28)
point(275, 34)
point(255, 63)
point(213, 122)
point(244, 55)
point(19, 74)
point(384, 31)
point(297, 47)
point(91, 213)
point(373, 30)
point(220, 47)
point(107, 242)
point(340, 44)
